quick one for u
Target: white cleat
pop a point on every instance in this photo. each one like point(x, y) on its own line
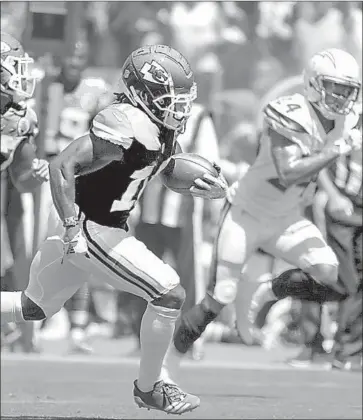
point(166, 397)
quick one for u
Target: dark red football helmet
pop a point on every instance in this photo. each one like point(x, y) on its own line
point(17, 83)
point(159, 80)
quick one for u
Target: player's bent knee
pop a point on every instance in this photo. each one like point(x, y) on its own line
point(31, 311)
point(322, 264)
point(225, 291)
point(324, 273)
point(173, 299)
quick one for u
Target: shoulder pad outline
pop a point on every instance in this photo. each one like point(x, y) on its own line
point(113, 125)
point(273, 117)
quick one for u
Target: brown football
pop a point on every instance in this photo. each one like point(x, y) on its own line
point(183, 169)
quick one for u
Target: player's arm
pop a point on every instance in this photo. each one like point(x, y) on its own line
point(26, 171)
point(326, 183)
point(292, 167)
point(292, 163)
point(84, 155)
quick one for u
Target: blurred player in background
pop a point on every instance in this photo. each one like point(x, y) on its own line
point(96, 182)
point(18, 122)
point(76, 101)
point(342, 184)
point(19, 127)
point(301, 136)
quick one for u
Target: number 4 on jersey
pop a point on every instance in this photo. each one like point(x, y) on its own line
point(292, 107)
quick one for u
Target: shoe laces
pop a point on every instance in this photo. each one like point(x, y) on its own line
point(173, 392)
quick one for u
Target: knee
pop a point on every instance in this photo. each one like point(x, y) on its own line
point(173, 299)
point(326, 274)
point(31, 311)
point(323, 265)
point(225, 291)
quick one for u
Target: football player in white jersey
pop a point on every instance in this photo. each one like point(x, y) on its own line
point(19, 127)
point(19, 124)
point(301, 135)
point(96, 182)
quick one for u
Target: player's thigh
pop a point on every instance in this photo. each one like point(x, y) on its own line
point(236, 239)
point(126, 263)
point(51, 282)
point(238, 236)
point(302, 245)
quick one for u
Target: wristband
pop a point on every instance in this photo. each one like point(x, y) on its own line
point(70, 222)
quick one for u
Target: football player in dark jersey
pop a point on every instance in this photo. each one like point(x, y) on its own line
point(96, 182)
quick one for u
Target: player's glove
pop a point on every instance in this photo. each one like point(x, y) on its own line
point(210, 187)
point(74, 242)
point(350, 142)
point(231, 192)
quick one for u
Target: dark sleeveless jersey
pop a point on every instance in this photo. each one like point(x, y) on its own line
point(108, 195)
point(346, 173)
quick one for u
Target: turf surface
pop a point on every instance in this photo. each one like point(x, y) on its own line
point(233, 382)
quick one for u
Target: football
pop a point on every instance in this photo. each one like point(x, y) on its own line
point(183, 169)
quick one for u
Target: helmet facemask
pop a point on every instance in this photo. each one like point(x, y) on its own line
point(18, 77)
point(176, 108)
point(172, 109)
point(337, 96)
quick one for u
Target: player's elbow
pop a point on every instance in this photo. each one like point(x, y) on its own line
point(285, 177)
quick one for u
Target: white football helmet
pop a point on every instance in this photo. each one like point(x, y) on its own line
point(332, 82)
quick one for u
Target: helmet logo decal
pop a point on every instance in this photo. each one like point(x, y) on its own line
point(5, 47)
point(155, 73)
point(329, 55)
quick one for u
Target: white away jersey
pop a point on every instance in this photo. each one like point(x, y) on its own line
point(259, 191)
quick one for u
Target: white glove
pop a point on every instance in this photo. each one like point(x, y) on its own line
point(350, 142)
point(209, 187)
point(74, 242)
point(231, 192)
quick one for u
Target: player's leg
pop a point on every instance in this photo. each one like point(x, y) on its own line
point(346, 241)
point(302, 245)
point(78, 315)
point(51, 283)
point(127, 265)
point(236, 239)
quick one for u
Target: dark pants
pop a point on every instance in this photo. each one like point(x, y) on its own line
point(346, 242)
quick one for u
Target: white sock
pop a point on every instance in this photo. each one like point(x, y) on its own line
point(157, 329)
point(171, 365)
point(11, 310)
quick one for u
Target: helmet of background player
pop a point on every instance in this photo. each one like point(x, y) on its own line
point(17, 83)
point(332, 82)
point(159, 80)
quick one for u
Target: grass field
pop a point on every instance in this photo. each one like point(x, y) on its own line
point(233, 382)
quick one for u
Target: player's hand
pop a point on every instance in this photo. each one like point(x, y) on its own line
point(340, 205)
point(231, 192)
point(210, 187)
point(350, 142)
point(40, 170)
point(74, 242)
